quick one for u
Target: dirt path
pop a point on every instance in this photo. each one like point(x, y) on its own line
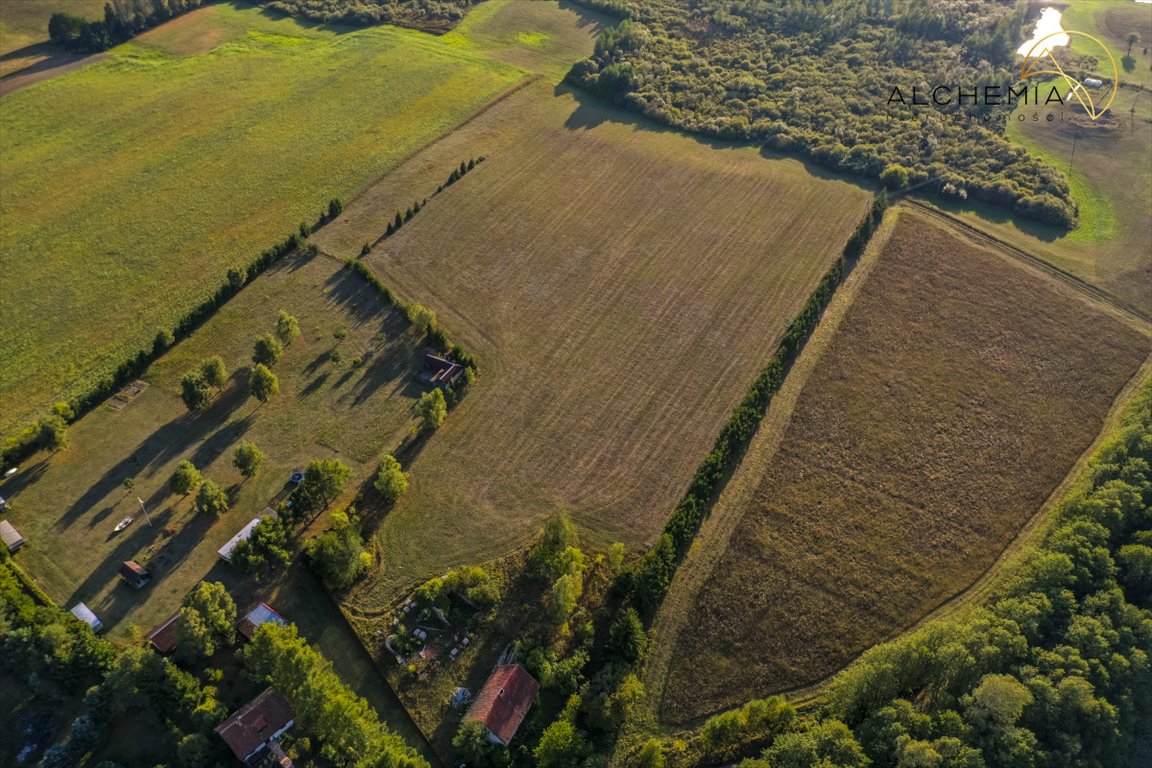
point(712, 540)
point(47, 67)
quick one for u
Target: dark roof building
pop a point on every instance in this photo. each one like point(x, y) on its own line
point(258, 616)
point(163, 637)
point(134, 574)
point(504, 701)
point(252, 731)
point(11, 537)
point(441, 371)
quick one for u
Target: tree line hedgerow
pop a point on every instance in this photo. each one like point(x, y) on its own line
point(123, 20)
point(435, 15)
point(44, 434)
point(403, 218)
point(814, 78)
point(661, 561)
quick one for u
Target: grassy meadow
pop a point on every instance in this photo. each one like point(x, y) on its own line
point(69, 501)
point(620, 286)
point(209, 152)
point(66, 504)
point(24, 29)
point(956, 394)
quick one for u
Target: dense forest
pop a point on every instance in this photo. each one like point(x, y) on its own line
point(1055, 672)
point(814, 77)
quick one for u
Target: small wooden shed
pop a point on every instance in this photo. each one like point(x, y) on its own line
point(134, 574)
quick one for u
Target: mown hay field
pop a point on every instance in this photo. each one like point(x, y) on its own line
point(958, 391)
point(131, 185)
point(621, 286)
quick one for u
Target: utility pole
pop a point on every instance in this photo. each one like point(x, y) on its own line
point(145, 511)
point(1075, 136)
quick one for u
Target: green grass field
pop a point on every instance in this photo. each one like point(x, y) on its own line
point(620, 285)
point(67, 504)
point(25, 22)
point(206, 159)
point(1110, 21)
point(957, 392)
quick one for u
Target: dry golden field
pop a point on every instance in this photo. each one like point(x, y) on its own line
point(958, 391)
point(621, 286)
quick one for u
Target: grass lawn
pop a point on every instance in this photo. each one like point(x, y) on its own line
point(1110, 21)
point(208, 152)
point(620, 286)
point(544, 37)
point(956, 394)
point(67, 504)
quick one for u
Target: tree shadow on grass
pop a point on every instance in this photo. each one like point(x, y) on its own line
point(163, 445)
point(12, 487)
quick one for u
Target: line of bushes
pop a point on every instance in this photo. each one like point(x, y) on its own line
point(421, 317)
point(661, 561)
point(403, 218)
point(28, 440)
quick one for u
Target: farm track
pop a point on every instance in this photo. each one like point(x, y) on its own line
point(729, 510)
point(1096, 292)
point(735, 499)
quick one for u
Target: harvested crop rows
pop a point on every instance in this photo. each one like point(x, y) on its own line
point(958, 391)
point(621, 287)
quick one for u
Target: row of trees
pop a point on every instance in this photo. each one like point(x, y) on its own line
point(812, 78)
point(123, 20)
point(437, 15)
point(348, 730)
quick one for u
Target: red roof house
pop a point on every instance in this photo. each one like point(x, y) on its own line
point(252, 731)
point(504, 701)
point(163, 637)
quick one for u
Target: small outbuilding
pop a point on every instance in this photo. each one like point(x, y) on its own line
point(252, 732)
point(10, 536)
point(225, 551)
point(163, 637)
point(134, 574)
point(257, 617)
point(503, 702)
point(441, 371)
point(84, 613)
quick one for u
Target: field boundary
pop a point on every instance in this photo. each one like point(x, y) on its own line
point(1095, 291)
point(1014, 553)
point(714, 535)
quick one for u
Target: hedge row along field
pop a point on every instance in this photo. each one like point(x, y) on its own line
point(617, 327)
point(957, 393)
point(273, 116)
point(679, 532)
